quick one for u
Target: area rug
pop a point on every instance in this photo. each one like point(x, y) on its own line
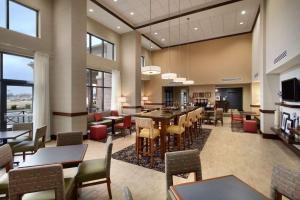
point(128, 154)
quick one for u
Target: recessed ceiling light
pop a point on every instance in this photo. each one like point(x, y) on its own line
point(131, 13)
point(163, 39)
point(91, 10)
point(155, 33)
point(243, 12)
point(115, 0)
point(118, 27)
point(151, 47)
point(196, 28)
point(241, 23)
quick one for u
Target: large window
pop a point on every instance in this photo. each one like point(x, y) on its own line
point(16, 97)
point(99, 47)
point(98, 90)
point(18, 17)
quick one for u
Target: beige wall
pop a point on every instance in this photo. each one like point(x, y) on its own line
point(96, 62)
point(210, 61)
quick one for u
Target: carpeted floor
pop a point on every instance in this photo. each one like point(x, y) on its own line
point(128, 154)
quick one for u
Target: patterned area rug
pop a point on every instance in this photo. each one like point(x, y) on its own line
point(128, 154)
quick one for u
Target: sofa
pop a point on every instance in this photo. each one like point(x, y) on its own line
point(97, 118)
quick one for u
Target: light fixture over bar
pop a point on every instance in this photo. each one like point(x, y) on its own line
point(168, 76)
point(188, 82)
point(179, 80)
point(151, 70)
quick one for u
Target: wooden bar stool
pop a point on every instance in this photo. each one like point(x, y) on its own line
point(178, 131)
point(188, 128)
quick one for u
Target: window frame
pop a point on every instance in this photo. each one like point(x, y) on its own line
point(103, 40)
point(10, 82)
point(26, 6)
point(90, 86)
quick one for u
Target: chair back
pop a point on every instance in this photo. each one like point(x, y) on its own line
point(108, 147)
point(23, 126)
point(189, 118)
point(194, 116)
point(181, 121)
point(285, 182)
point(127, 121)
point(146, 123)
point(180, 162)
point(69, 138)
point(219, 113)
point(127, 194)
point(36, 179)
point(40, 136)
point(114, 113)
point(6, 157)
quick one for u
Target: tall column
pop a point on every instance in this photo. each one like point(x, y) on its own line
point(131, 71)
point(68, 90)
point(269, 83)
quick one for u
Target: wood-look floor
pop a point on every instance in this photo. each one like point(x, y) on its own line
point(247, 156)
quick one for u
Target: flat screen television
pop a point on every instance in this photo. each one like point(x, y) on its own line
point(290, 90)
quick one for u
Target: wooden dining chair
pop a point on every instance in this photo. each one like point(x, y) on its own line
point(6, 161)
point(69, 138)
point(97, 171)
point(182, 162)
point(42, 182)
point(33, 145)
point(285, 182)
point(21, 127)
point(147, 138)
point(125, 125)
point(218, 116)
point(178, 131)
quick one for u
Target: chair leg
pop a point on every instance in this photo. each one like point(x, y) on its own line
point(151, 151)
point(108, 188)
point(24, 155)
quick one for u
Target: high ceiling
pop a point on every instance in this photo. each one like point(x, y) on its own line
point(198, 19)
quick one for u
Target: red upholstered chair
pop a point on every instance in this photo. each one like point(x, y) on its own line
point(126, 124)
point(236, 118)
point(250, 126)
point(98, 132)
point(114, 113)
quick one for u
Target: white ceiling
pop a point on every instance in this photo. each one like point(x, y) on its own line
point(212, 23)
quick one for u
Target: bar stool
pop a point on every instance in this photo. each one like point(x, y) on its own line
point(199, 118)
point(146, 138)
point(194, 122)
point(178, 131)
point(188, 127)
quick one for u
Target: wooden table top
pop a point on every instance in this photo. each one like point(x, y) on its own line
point(161, 114)
point(12, 134)
point(114, 117)
point(222, 188)
point(72, 154)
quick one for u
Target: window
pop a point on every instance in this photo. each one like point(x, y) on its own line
point(99, 47)
point(16, 97)
point(98, 90)
point(18, 17)
point(142, 61)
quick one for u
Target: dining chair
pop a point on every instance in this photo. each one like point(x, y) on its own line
point(97, 171)
point(178, 131)
point(6, 161)
point(236, 118)
point(194, 122)
point(127, 194)
point(33, 145)
point(182, 162)
point(146, 138)
point(114, 113)
point(69, 138)
point(199, 112)
point(21, 127)
point(125, 125)
point(285, 182)
point(218, 116)
point(188, 127)
point(42, 182)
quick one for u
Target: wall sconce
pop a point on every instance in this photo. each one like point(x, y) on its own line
point(145, 98)
point(122, 99)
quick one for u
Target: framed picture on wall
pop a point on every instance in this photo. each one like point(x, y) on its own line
point(284, 118)
point(218, 98)
point(288, 125)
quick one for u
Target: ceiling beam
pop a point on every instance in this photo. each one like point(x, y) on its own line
point(255, 20)
point(188, 13)
point(152, 41)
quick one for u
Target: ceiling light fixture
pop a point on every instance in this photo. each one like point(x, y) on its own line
point(196, 28)
point(179, 80)
point(115, 0)
point(155, 33)
point(150, 69)
point(91, 10)
point(118, 27)
point(241, 23)
point(188, 81)
point(163, 39)
point(243, 12)
point(131, 13)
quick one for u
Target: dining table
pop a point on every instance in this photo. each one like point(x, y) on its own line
point(163, 117)
point(6, 135)
point(114, 119)
point(221, 188)
point(70, 155)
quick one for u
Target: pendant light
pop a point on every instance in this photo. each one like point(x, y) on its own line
point(169, 75)
point(150, 69)
point(179, 79)
point(188, 82)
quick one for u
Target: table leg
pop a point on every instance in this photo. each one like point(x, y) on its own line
point(4, 141)
point(163, 139)
point(113, 127)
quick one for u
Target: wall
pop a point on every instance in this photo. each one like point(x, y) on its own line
point(99, 63)
point(210, 61)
